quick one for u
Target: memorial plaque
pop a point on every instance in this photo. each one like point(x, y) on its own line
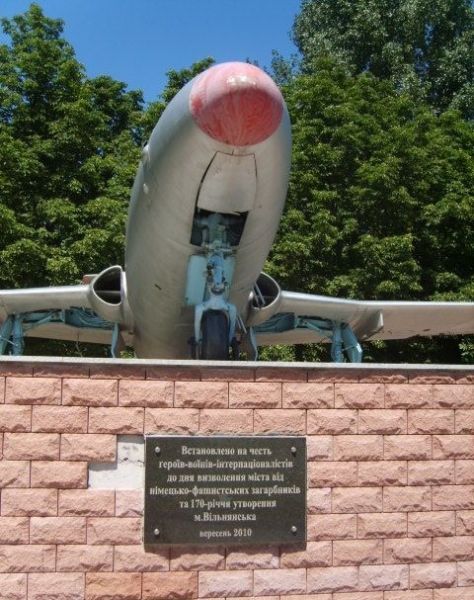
point(225, 490)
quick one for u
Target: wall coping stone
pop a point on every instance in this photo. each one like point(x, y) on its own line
point(196, 370)
point(155, 362)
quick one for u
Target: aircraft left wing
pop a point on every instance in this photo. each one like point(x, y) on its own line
point(304, 318)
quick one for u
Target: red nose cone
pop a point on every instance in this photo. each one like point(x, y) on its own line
point(236, 103)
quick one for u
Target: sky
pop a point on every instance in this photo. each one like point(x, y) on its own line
point(138, 41)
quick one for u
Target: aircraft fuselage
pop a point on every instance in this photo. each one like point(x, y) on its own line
point(202, 161)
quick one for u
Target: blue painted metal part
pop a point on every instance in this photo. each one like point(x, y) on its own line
point(17, 339)
point(351, 344)
point(344, 342)
point(337, 353)
point(210, 275)
point(13, 329)
point(217, 289)
point(253, 342)
point(11, 335)
point(114, 345)
point(5, 334)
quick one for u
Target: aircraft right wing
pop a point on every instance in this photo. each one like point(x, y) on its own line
point(96, 312)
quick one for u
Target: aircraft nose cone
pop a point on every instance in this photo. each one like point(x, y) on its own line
point(236, 103)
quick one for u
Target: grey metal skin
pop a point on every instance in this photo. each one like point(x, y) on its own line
point(174, 176)
point(89, 296)
point(25, 300)
point(369, 319)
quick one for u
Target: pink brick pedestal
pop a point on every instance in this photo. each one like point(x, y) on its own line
point(390, 479)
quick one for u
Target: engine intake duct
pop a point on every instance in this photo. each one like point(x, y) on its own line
point(108, 295)
point(108, 285)
point(264, 299)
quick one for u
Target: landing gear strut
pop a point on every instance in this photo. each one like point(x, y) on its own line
point(215, 319)
point(209, 276)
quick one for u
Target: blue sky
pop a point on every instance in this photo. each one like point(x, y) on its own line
point(137, 41)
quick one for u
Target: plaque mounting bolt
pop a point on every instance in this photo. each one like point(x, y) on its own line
point(294, 529)
point(157, 450)
point(156, 532)
point(293, 450)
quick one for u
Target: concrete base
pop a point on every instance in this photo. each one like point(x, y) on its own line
point(390, 478)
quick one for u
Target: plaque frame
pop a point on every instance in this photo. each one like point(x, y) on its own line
point(224, 490)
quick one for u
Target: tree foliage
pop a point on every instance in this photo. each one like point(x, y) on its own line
point(69, 149)
point(67, 143)
point(381, 197)
point(381, 192)
point(425, 46)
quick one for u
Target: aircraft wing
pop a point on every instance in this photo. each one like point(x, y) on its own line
point(42, 298)
point(91, 313)
point(374, 320)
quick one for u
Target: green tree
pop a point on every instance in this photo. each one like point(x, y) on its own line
point(69, 150)
point(425, 46)
point(61, 134)
point(67, 144)
point(381, 197)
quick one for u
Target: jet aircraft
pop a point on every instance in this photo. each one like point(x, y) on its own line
point(204, 211)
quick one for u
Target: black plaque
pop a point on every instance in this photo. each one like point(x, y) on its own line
point(225, 490)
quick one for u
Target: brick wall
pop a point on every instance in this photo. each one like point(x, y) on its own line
point(390, 476)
